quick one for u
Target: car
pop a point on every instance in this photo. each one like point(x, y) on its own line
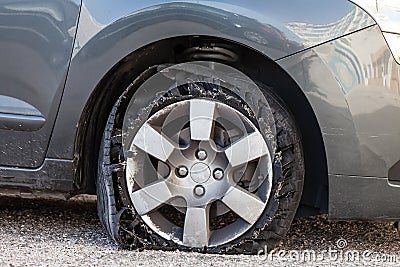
point(203, 125)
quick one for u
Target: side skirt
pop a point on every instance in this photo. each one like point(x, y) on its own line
point(363, 198)
point(53, 175)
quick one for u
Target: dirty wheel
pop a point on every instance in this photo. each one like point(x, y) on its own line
point(199, 165)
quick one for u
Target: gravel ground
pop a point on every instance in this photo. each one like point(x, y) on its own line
point(38, 232)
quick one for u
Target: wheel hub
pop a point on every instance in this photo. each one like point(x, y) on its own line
point(200, 172)
point(194, 167)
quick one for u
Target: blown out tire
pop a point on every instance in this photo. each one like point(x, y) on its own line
point(124, 223)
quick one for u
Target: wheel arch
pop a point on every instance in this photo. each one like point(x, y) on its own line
point(94, 116)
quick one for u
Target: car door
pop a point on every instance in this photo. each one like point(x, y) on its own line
point(36, 41)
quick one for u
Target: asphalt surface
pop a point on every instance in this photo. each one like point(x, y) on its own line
point(37, 232)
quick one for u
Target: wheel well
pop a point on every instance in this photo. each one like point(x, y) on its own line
point(182, 49)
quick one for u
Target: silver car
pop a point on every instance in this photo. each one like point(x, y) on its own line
point(203, 125)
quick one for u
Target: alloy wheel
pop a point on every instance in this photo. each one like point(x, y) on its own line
point(208, 175)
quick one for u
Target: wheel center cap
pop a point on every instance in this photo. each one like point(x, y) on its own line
point(200, 173)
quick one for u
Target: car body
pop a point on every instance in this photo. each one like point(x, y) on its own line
point(338, 77)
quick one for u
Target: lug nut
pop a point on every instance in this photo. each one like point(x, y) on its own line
point(182, 171)
point(218, 174)
point(201, 154)
point(199, 190)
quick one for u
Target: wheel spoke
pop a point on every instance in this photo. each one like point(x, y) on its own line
point(196, 231)
point(153, 142)
point(246, 149)
point(201, 119)
point(150, 197)
point(245, 204)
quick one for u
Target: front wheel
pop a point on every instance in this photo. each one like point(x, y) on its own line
point(210, 163)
